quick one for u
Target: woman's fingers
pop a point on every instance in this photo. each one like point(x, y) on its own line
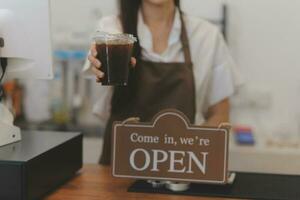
point(98, 80)
point(133, 61)
point(94, 61)
point(94, 50)
point(92, 57)
point(96, 64)
point(99, 74)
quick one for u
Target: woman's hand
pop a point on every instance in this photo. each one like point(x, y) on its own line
point(218, 114)
point(96, 64)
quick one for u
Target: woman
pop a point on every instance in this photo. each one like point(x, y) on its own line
point(181, 62)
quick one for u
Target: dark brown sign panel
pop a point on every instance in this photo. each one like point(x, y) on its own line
point(170, 149)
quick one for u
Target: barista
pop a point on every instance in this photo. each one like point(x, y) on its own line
point(180, 61)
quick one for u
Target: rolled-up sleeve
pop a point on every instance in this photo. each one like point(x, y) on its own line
point(102, 107)
point(226, 78)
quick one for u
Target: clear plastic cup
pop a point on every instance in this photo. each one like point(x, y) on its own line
point(114, 52)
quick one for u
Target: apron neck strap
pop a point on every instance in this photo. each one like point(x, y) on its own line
point(185, 41)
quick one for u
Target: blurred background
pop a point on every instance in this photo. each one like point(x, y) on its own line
point(263, 36)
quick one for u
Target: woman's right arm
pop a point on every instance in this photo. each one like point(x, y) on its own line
point(92, 68)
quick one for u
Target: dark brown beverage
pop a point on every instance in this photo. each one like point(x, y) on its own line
point(115, 60)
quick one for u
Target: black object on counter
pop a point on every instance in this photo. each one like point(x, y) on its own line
point(245, 186)
point(38, 164)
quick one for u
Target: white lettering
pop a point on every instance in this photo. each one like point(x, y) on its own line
point(201, 166)
point(132, 160)
point(189, 141)
point(136, 138)
point(204, 142)
point(133, 137)
point(173, 161)
point(156, 160)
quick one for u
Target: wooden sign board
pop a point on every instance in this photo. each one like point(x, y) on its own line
point(170, 148)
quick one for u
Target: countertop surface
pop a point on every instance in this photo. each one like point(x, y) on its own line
point(95, 182)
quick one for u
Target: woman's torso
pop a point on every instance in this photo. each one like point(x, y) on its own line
point(212, 63)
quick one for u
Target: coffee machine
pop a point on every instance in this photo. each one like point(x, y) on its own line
point(21, 55)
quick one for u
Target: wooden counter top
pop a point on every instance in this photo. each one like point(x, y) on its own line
point(95, 182)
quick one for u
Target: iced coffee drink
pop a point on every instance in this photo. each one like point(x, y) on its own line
point(114, 52)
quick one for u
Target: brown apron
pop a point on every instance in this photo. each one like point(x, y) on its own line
point(160, 86)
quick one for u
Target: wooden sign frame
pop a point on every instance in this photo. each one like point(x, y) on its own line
point(159, 119)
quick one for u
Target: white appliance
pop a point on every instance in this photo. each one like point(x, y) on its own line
point(26, 46)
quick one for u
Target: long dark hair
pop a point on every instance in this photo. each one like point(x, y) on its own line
point(129, 20)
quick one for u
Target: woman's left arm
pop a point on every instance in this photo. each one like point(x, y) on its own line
point(218, 113)
point(224, 82)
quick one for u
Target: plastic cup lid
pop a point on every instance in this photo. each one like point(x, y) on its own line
point(119, 38)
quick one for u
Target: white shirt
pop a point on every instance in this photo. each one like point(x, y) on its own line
point(216, 76)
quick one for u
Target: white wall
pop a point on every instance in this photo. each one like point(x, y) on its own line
point(263, 38)
point(78, 18)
